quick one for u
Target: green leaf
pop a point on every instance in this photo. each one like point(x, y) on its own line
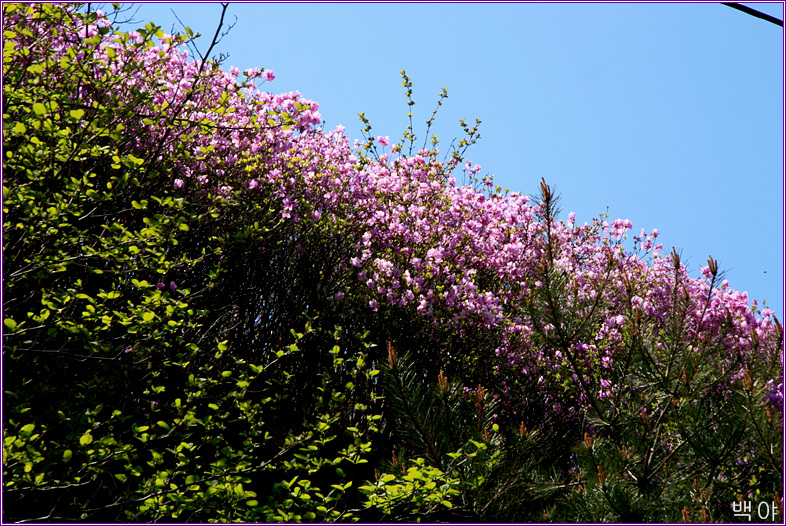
point(39, 108)
point(67, 454)
point(26, 431)
point(85, 439)
point(77, 114)
point(11, 324)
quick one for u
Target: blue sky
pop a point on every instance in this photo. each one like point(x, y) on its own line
point(670, 115)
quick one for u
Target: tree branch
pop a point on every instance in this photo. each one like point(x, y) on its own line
point(753, 12)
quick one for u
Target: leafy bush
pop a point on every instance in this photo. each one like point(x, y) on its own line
point(200, 284)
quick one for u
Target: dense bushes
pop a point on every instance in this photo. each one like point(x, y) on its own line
point(215, 310)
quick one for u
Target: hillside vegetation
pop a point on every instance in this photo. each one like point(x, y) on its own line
point(216, 310)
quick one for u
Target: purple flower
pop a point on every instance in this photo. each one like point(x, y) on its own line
point(424, 242)
point(776, 396)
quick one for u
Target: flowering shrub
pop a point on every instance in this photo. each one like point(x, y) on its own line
point(168, 225)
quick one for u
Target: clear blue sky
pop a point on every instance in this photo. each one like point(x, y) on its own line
point(669, 114)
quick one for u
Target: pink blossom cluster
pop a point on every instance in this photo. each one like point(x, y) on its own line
point(463, 257)
point(197, 107)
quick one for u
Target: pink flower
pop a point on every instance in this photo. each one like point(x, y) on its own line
point(427, 244)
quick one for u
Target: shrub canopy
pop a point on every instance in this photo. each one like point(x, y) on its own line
point(216, 310)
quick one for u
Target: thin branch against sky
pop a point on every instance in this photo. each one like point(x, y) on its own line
point(753, 12)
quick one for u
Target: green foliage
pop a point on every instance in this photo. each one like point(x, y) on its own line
point(680, 440)
point(232, 465)
point(127, 397)
point(681, 435)
point(174, 356)
point(421, 493)
point(447, 432)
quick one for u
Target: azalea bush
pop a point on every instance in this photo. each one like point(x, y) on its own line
point(216, 310)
